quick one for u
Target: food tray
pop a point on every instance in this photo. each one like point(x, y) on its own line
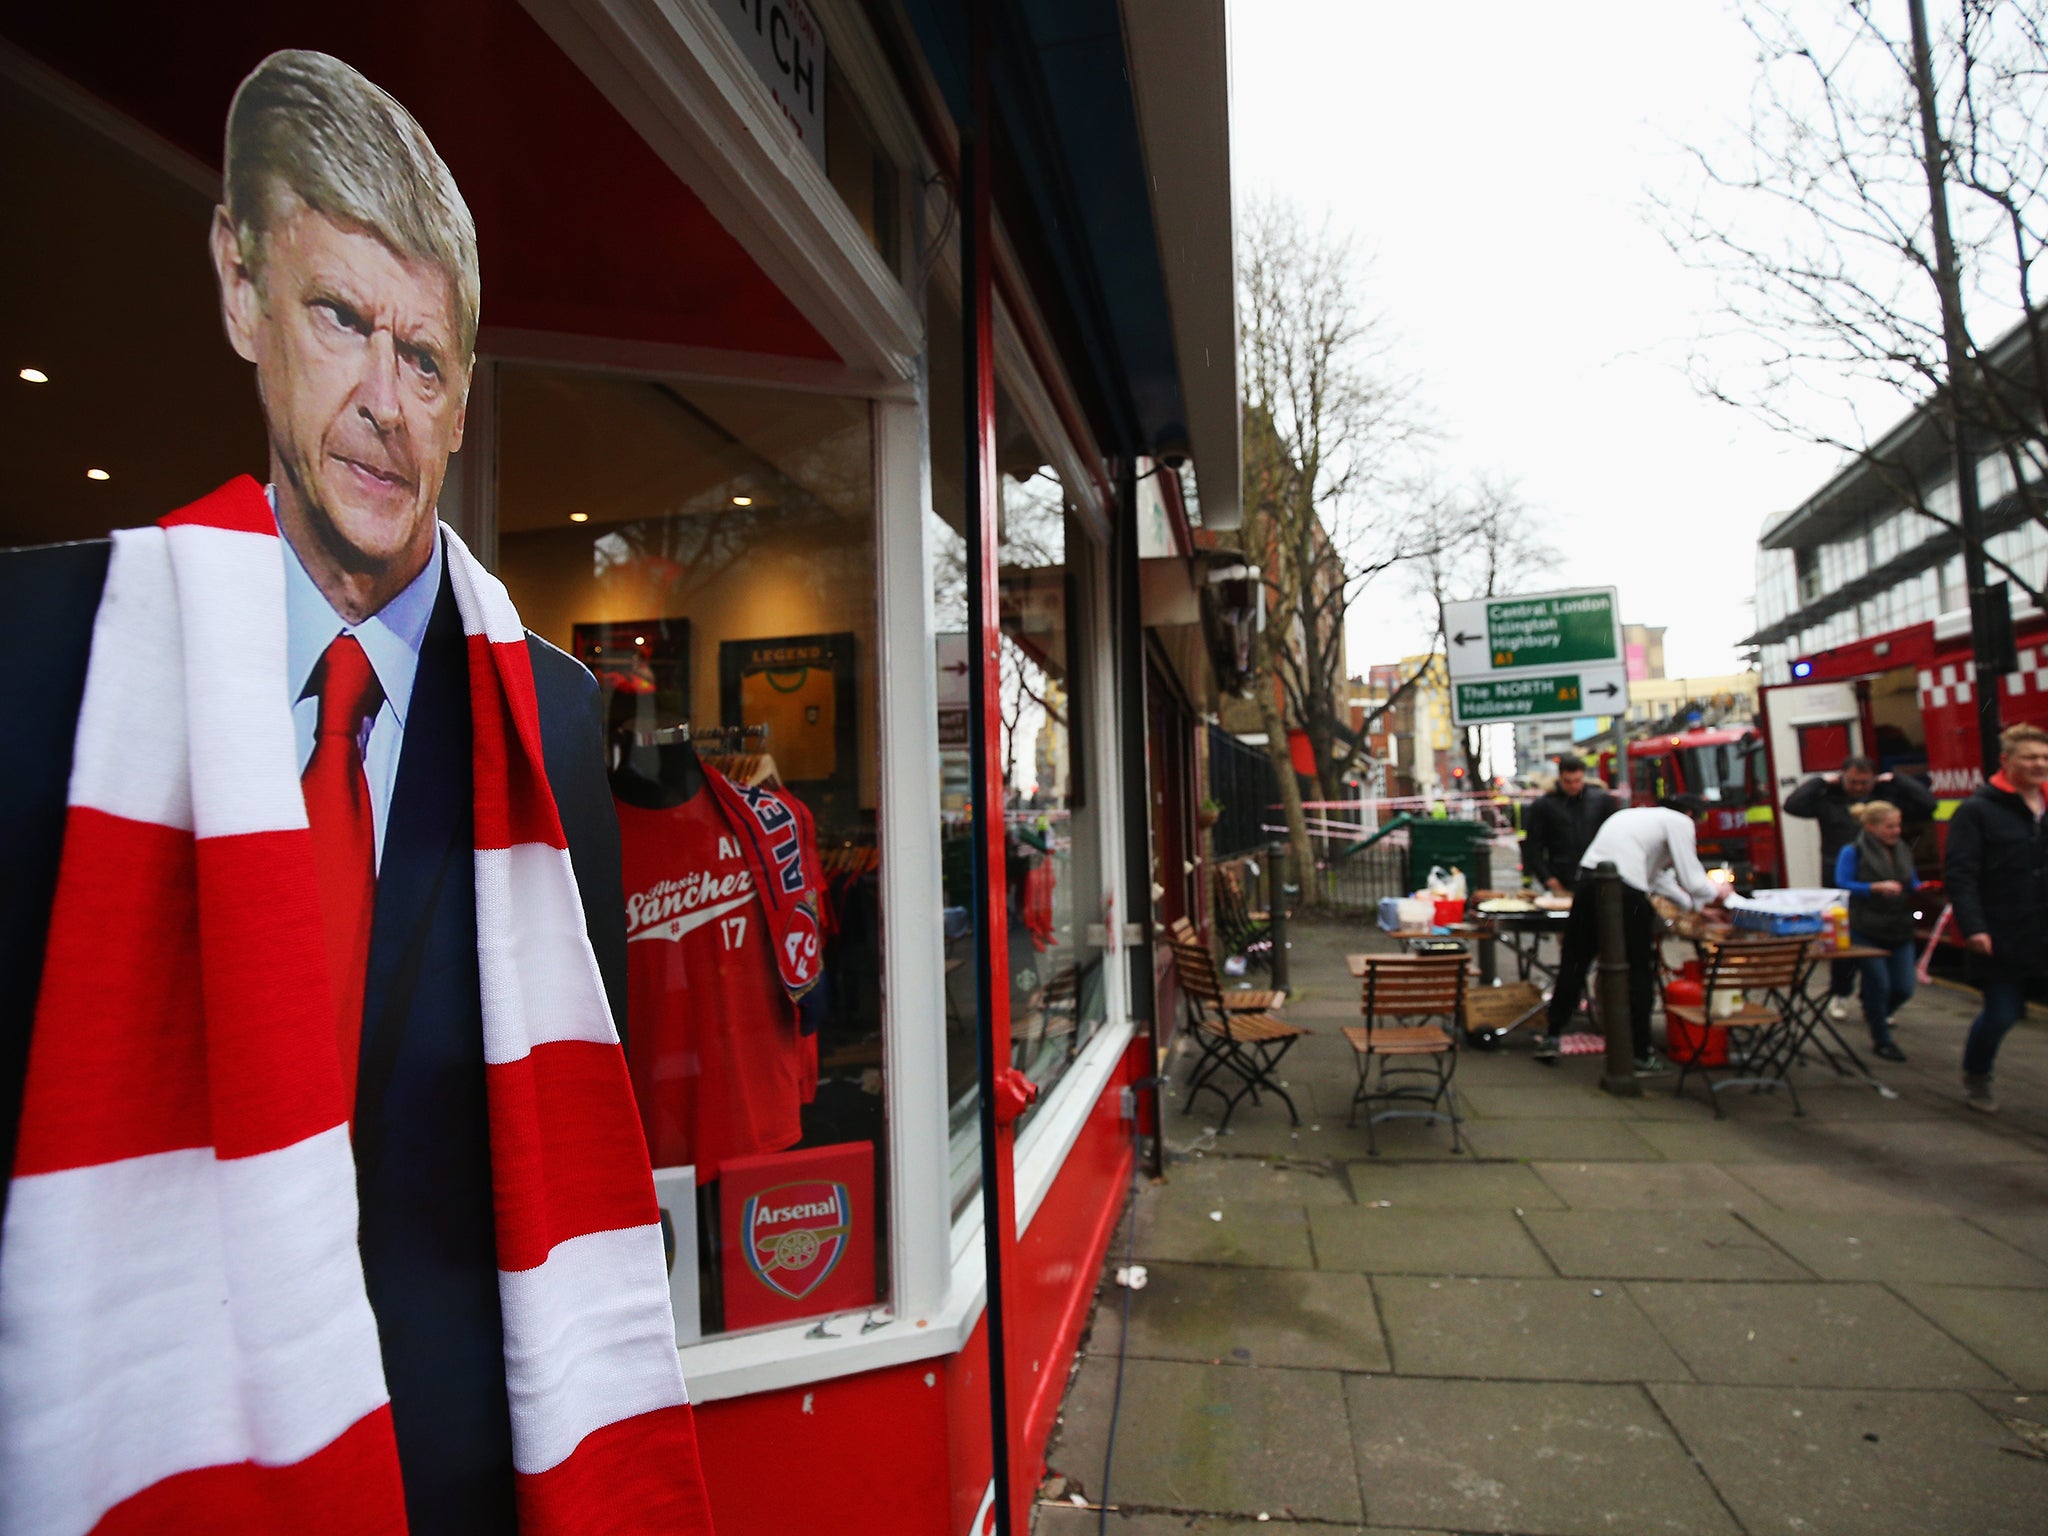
point(1783, 913)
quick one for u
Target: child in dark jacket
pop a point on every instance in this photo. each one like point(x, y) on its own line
point(1877, 872)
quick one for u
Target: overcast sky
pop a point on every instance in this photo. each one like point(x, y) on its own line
point(1495, 159)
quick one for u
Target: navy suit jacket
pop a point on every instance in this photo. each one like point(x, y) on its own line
point(422, 1142)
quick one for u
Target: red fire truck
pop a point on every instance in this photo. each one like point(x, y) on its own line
point(1905, 699)
point(1724, 767)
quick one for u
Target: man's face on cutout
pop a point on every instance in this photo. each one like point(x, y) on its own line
point(363, 390)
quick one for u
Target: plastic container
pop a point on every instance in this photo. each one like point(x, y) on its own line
point(1693, 1045)
point(1449, 912)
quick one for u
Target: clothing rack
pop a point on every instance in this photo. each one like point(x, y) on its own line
point(717, 738)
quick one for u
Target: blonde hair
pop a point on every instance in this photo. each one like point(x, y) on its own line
point(2012, 736)
point(1873, 813)
point(305, 125)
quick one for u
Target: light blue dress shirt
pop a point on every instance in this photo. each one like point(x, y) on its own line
point(390, 638)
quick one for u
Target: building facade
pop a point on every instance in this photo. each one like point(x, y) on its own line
point(775, 354)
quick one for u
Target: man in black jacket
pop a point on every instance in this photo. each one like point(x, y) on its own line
point(1996, 871)
point(1827, 798)
point(1560, 824)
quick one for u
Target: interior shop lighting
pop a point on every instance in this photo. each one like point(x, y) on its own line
point(743, 501)
point(35, 376)
point(97, 474)
point(579, 517)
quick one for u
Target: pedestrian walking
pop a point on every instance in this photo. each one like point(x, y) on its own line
point(1877, 872)
point(1560, 823)
point(1654, 849)
point(1830, 799)
point(1996, 872)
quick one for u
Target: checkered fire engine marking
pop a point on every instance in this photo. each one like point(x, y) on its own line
point(1953, 685)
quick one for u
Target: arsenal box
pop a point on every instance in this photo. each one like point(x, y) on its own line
point(798, 1232)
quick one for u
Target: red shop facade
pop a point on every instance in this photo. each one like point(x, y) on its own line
point(850, 377)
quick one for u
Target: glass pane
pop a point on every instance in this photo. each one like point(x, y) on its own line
point(709, 553)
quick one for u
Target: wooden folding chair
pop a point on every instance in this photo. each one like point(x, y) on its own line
point(1233, 1031)
point(1407, 1048)
point(1244, 931)
point(1767, 972)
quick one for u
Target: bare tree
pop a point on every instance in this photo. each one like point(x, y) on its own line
point(1821, 230)
point(1327, 422)
point(1487, 542)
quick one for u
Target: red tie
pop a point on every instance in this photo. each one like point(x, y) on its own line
point(344, 837)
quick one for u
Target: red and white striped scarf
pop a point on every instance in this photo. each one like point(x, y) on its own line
point(185, 1340)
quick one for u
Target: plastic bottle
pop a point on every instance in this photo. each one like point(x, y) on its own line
point(1838, 921)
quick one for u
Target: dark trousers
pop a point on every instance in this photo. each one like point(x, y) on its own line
point(2005, 1004)
point(1887, 983)
point(1581, 944)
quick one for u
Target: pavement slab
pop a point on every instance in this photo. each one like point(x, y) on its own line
point(1202, 1438)
point(1253, 1233)
point(1369, 1240)
point(1921, 1142)
point(1544, 1460)
point(1545, 1140)
point(1543, 1101)
point(1869, 1246)
point(1659, 1245)
point(1859, 1463)
point(1549, 1330)
point(2029, 1234)
point(1225, 1315)
point(1210, 1180)
point(1648, 1187)
point(1699, 1138)
point(1836, 1188)
point(1815, 1335)
point(1055, 1520)
point(2007, 1327)
point(1451, 1187)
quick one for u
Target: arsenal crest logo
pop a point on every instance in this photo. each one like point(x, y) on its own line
point(796, 1234)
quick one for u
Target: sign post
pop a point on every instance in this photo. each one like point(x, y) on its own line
point(1554, 655)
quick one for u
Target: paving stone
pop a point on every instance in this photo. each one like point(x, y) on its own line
point(1659, 1245)
point(1548, 1140)
point(2007, 1327)
point(1859, 1463)
point(1836, 1188)
point(1545, 1460)
point(1817, 1335)
point(1451, 1186)
point(2029, 1234)
point(1216, 1178)
point(1053, 1520)
point(1253, 1233)
point(1371, 1240)
point(1246, 1317)
point(1699, 1138)
point(2019, 1189)
point(1824, 1102)
point(1544, 1101)
point(1553, 1330)
point(1648, 1187)
point(1217, 1438)
point(1866, 1246)
point(1920, 1142)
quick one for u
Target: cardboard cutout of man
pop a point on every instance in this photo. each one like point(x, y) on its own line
point(348, 275)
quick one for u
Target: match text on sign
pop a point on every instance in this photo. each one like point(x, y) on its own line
point(1531, 631)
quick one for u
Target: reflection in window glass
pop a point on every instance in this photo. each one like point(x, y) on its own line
point(1054, 892)
point(709, 553)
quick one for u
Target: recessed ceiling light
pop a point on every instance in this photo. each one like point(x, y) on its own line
point(579, 517)
point(35, 376)
point(97, 474)
point(743, 501)
point(639, 639)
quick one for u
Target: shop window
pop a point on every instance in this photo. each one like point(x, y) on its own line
point(709, 553)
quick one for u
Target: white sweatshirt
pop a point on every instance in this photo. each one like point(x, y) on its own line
point(1653, 849)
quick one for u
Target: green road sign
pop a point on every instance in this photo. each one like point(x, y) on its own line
point(1519, 698)
point(1551, 631)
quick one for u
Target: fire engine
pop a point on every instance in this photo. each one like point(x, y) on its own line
point(1906, 699)
point(1723, 766)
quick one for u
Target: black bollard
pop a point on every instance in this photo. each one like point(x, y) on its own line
point(1610, 993)
point(1276, 910)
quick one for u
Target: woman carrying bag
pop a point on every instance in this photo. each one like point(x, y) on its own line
point(1877, 872)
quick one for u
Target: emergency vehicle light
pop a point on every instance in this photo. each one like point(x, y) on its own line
point(1802, 669)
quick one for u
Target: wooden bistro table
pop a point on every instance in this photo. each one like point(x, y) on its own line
point(1807, 1005)
point(1489, 1012)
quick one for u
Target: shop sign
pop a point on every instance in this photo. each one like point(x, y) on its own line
point(956, 731)
point(1541, 696)
point(1492, 635)
point(799, 1233)
point(786, 47)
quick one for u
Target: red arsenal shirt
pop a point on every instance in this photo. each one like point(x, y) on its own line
point(712, 1039)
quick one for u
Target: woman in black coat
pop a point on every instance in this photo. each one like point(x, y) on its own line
point(1996, 871)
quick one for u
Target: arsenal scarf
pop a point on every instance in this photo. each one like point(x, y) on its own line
point(185, 1340)
point(781, 848)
